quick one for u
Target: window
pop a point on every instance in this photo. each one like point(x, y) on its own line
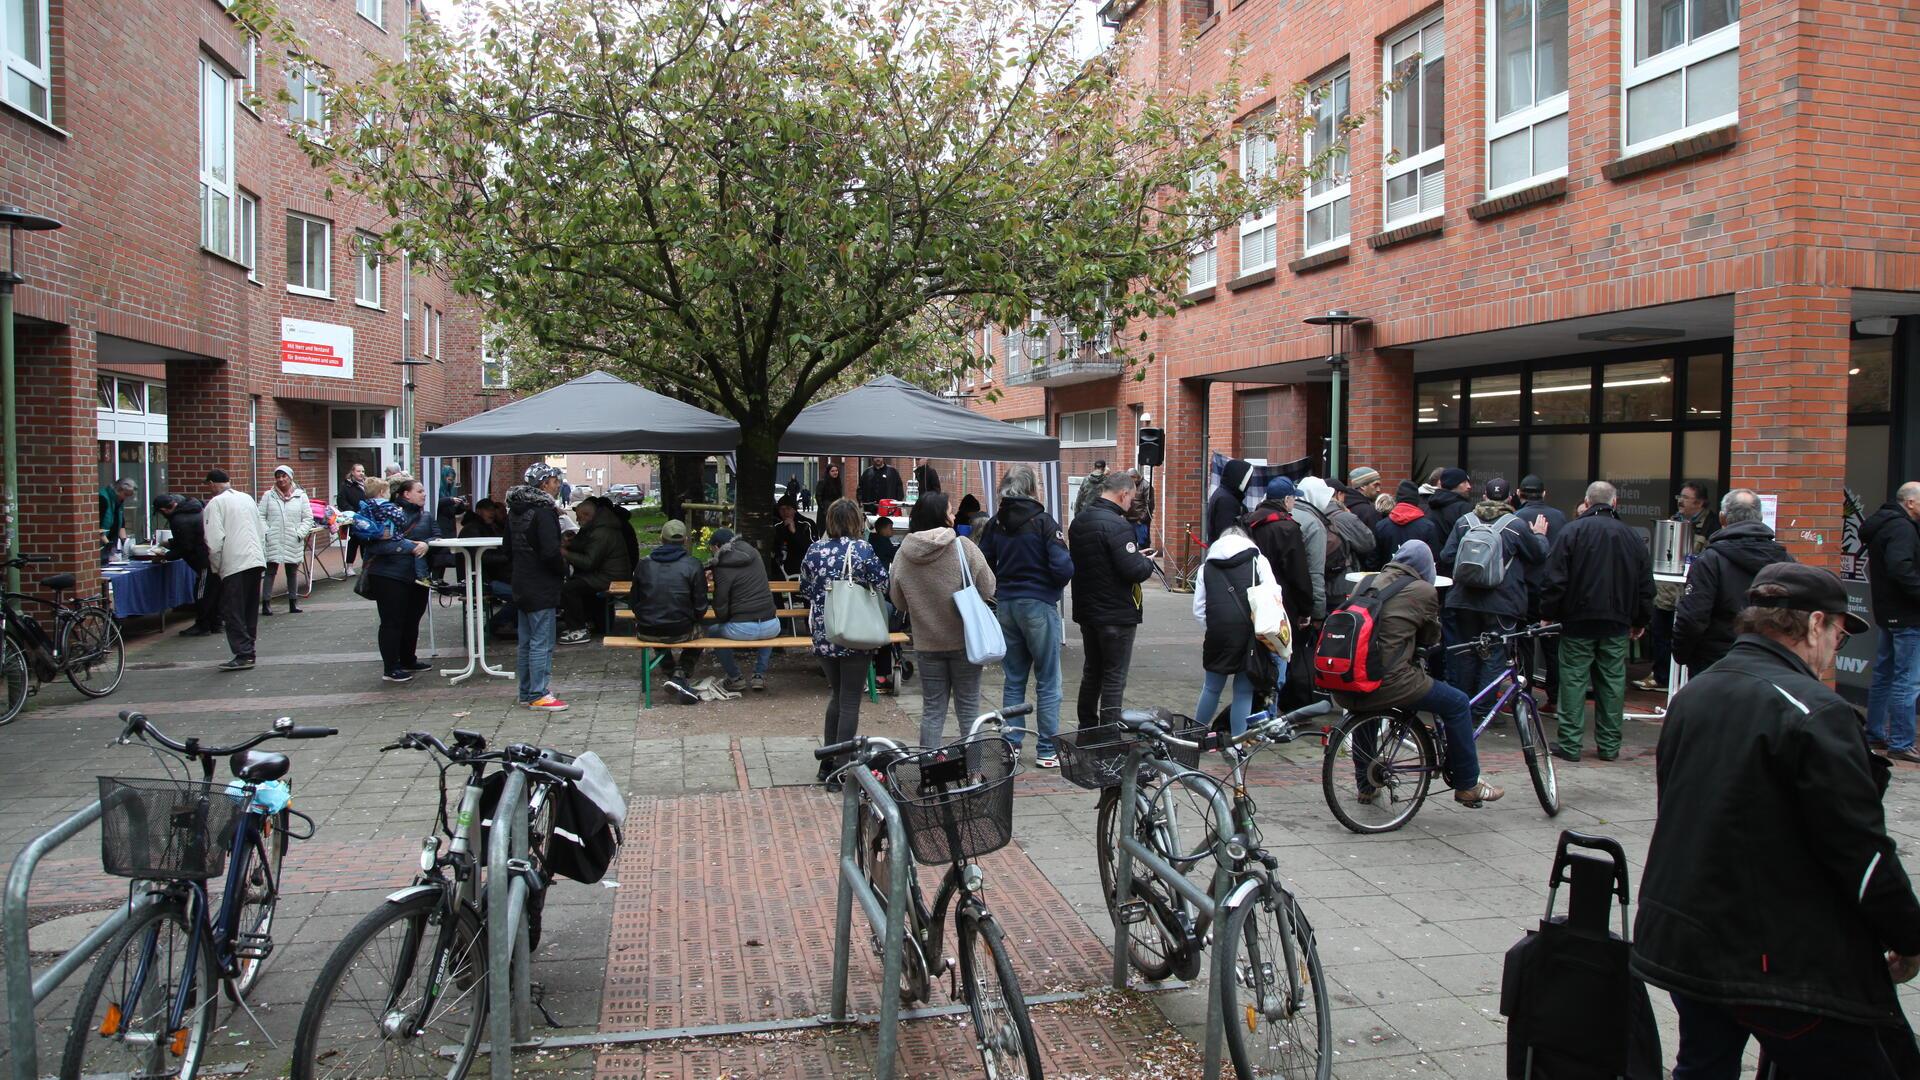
point(247, 249)
point(1682, 68)
point(367, 251)
point(249, 70)
point(1527, 133)
point(1256, 419)
point(426, 329)
point(1096, 427)
point(369, 10)
point(309, 247)
point(25, 64)
point(1035, 424)
point(1258, 251)
point(309, 104)
point(493, 365)
point(1326, 204)
point(216, 159)
point(437, 315)
point(1202, 265)
point(1416, 125)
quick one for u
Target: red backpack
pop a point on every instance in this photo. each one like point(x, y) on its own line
point(1344, 661)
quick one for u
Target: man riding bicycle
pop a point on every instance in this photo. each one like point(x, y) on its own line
point(1406, 625)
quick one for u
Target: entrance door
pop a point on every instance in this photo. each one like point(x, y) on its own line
point(346, 457)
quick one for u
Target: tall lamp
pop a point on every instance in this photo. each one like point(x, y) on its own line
point(15, 221)
point(1339, 323)
point(406, 364)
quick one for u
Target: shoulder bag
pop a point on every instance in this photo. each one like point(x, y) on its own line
point(855, 617)
point(985, 640)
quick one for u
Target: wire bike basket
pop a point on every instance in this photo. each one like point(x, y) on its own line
point(1096, 757)
point(957, 799)
point(166, 830)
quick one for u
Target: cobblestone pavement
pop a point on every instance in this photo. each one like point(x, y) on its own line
point(1412, 926)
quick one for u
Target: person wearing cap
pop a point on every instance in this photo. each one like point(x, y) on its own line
point(1598, 585)
point(1498, 609)
point(1531, 498)
point(598, 557)
point(186, 521)
point(537, 568)
point(1282, 543)
point(235, 552)
point(1774, 905)
point(669, 602)
point(1452, 499)
point(743, 607)
point(1892, 539)
point(1359, 492)
point(286, 516)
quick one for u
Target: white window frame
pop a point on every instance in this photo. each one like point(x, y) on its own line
point(246, 248)
point(1344, 189)
point(1202, 179)
point(1269, 216)
point(438, 318)
point(492, 358)
point(309, 99)
point(216, 82)
point(249, 73)
point(325, 292)
point(367, 260)
point(1111, 423)
point(426, 329)
point(379, 15)
point(1678, 58)
point(1531, 116)
point(37, 70)
point(1432, 155)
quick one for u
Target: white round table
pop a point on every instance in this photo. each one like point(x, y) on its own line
point(470, 548)
point(1440, 581)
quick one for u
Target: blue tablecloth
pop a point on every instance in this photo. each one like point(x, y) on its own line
point(149, 588)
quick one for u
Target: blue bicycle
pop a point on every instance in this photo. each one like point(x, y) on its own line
point(148, 1007)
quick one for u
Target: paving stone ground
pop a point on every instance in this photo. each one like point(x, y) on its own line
point(1412, 925)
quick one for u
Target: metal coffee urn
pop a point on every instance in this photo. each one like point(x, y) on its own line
point(1672, 542)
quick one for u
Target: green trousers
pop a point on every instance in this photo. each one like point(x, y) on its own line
point(1603, 663)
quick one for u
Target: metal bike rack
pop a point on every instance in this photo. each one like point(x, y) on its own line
point(24, 991)
point(1131, 848)
point(893, 918)
point(508, 977)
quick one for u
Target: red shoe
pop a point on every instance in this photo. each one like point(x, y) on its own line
point(548, 703)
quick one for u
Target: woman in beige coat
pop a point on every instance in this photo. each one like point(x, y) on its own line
point(926, 574)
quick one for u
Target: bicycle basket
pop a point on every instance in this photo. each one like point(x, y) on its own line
point(1094, 757)
point(165, 830)
point(957, 800)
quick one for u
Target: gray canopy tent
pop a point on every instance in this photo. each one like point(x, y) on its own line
point(595, 413)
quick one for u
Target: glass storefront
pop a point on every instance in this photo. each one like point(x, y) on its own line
point(131, 426)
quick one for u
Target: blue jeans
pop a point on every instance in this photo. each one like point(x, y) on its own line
point(745, 631)
point(1468, 673)
point(1463, 757)
point(533, 657)
point(1242, 703)
point(1896, 685)
point(507, 614)
point(1033, 630)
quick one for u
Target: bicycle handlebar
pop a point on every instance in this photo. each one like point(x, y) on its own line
point(136, 725)
point(470, 748)
point(22, 561)
point(1493, 638)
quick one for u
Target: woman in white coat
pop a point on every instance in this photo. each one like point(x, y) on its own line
point(287, 517)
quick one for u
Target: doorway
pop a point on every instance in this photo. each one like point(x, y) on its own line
point(358, 437)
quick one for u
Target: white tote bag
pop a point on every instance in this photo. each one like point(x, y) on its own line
point(985, 642)
point(1269, 612)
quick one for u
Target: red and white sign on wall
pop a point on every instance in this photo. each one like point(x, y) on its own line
point(316, 348)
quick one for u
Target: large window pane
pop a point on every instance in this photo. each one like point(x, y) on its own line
point(1550, 145)
point(1493, 455)
point(1638, 464)
point(1660, 25)
point(1706, 386)
point(1438, 404)
point(1560, 461)
point(1510, 159)
point(1563, 397)
point(156, 400)
point(1431, 454)
point(345, 424)
point(133, 466)
point(1550, 50)
point(1713, 87)
point(128, 398)
point(1636, 392)
point(1496, 402)
point(1653, 109)
point(1433, 94)
point(373, 423)
point(1256, 410)
point(1870, 378)
point(1700, 460)
point(1711, 15)
point(1513, 56)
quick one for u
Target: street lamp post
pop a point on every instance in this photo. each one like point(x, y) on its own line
point(1339, 323)
point(15, 221)
point(406, 364)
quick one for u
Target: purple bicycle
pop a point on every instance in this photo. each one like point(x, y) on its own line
point(1379, 765)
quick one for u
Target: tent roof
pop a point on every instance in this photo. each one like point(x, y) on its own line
point(595, 413)
point(890, 416)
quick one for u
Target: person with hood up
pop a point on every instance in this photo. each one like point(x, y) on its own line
point(1228, 503)
point(669, 601)
point(1031, 565)
point(1451, 500)
point(537, 568)
point(743, 607)
point(286, 515)
point(1501, 609)
point(1230, 650)
point(1406, 626)
point(598, 556)
point(925, 576)
point(1408, 520)
point(1718, 580)
point(1350, 543)
point(1313, 532)
point(1892, 539)
point(964, 518)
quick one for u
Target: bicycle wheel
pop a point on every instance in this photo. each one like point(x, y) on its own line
point(16, 682)
point(1533, 742)
point(92, 652)
point(120, 1029)
point(1003, 1032)
point(262, 896)
point(1376, 771)
point(364, 1016)
point(1156, 941)
point(1277, 1016)
point(875, 854)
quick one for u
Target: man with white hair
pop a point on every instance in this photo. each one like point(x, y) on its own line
point(1717, 582)
point(1028, 553)
point(1599, 587)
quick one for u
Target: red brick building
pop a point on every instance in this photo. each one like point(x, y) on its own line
point(1639, 240)
point(208, 303)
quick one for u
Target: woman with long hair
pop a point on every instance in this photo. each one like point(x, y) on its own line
point(843, 553)
point(926, 574)
point(394, 581)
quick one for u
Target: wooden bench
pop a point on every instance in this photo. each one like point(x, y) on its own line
point(624, 587)
point(622, 614)
point(650, 655)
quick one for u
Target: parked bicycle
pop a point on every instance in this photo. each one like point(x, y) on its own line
point(1177, 572)
point(410, 980)
point(1379, 765)
point(148, 1008)
point(84, 646)
point(957, 802)
point(1275, 1006)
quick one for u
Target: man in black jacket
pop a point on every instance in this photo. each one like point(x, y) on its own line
point(1228, 503)
point(1892, 540)
point(881, 481)
point(1717, 582)
point(1278, 536)
point(353, 492)
point(1107, 571)
point(1532, 497)
point(1497, 609)
point(669, 599)
point(1452, 499)
point(926, 476)
point(1599, 586)
point(1031, 564)
point(1774, 905)
point(188, 544)
point(533, 530)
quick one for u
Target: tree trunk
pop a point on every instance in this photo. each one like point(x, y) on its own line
point(681, 477)
point(756, 462)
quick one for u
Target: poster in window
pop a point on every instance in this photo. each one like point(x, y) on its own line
point(316, 348)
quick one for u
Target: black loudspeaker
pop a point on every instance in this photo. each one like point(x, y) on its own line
point(1153, 447)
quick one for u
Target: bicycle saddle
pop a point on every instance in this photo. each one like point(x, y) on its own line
point(57, 582)
point(258, 766)
point(1146, 716)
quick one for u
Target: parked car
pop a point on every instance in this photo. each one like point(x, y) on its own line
point(624, 494)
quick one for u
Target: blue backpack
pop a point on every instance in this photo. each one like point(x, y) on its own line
point(366, 530)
